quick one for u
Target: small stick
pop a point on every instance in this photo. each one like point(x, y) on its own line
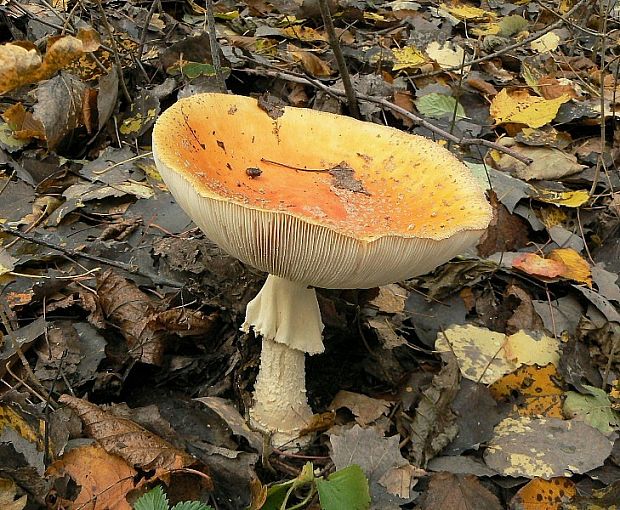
point(277, 163)
point(76, 254)
point(215, 48)
point(342, 65)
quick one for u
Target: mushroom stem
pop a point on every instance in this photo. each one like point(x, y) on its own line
point(287, 312)
point(280, 405)
point(287, 315)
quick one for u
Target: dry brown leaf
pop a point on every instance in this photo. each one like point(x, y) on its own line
point(21, 63)
point(128, 440)
point(312, 64)
point(365, 409)
point(458, 492)
point(105, 479)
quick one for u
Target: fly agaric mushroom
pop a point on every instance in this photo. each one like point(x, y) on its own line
point(316, 200)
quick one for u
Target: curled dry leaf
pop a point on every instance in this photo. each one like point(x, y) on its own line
point(21, 63)
point(136, 445)
point(104, 479)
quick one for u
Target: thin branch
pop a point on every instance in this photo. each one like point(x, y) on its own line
point(117, 58)
point(215, 48)
point(342, 65)
point(506, 49)
point(94, 258)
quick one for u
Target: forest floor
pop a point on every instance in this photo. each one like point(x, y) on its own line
point(492, 382)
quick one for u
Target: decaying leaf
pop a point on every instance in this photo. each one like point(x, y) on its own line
point(545, 448)
point(519, 107)
point(542, 494)
point(365, 409)
point(434, 424)
point(8, 496)
point(594, 409)
point(601, 499)
point(562, 262)
point(21, 63)
point(122, 437)
point(104, 478)
point(458, 492)
point(408, 58)
point(535, 389)
point(377, 456)
point(485, 355)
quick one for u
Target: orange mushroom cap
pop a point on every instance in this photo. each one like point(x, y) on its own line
point(316, 197)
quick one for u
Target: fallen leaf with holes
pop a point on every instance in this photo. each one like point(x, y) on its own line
point(458, 492)
point(545, 448)
point(21, 63)
point(519, 107)
point(486, 356)
point(536, 388)
point(8, 493)
point(594, 409)
point(563, 263)
point(542, 494)
point(125, 438)
point(104, 479)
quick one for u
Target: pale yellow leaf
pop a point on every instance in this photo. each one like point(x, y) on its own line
point(546, 43)
point(408, 58)
point(445, 56)
point(519, 107)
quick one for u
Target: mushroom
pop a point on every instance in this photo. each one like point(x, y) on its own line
point(315, 200)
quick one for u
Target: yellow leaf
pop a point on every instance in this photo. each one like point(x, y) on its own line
point(564, 198)
point(486, 356)
point(536, 388)
point(519, 107)
point(373, 16)
point(445, 56)
point(407, 58)
point(303, 34)
point(467, 12)
point(577, 268)
point(483, 29)
point(546, 43)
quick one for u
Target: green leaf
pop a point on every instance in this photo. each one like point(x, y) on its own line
point(510, 25)
point(346, 488)
point(155, 499)
point(436, 106)
point(276, 496)
point(594, 409)
point(192, 505)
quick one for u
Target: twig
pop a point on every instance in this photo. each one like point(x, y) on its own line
point(215, 48)
point(117, 58)
point(342, 65)
point(147, 21)
point(506, 49)
point(286, 75)
point(76, 254)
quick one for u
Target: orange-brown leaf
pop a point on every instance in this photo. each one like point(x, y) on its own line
point(536, 265)
point(542, 494)
point(105, 479)
point(537, 390)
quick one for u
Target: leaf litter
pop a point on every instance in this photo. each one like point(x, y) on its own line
point(113, 296)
